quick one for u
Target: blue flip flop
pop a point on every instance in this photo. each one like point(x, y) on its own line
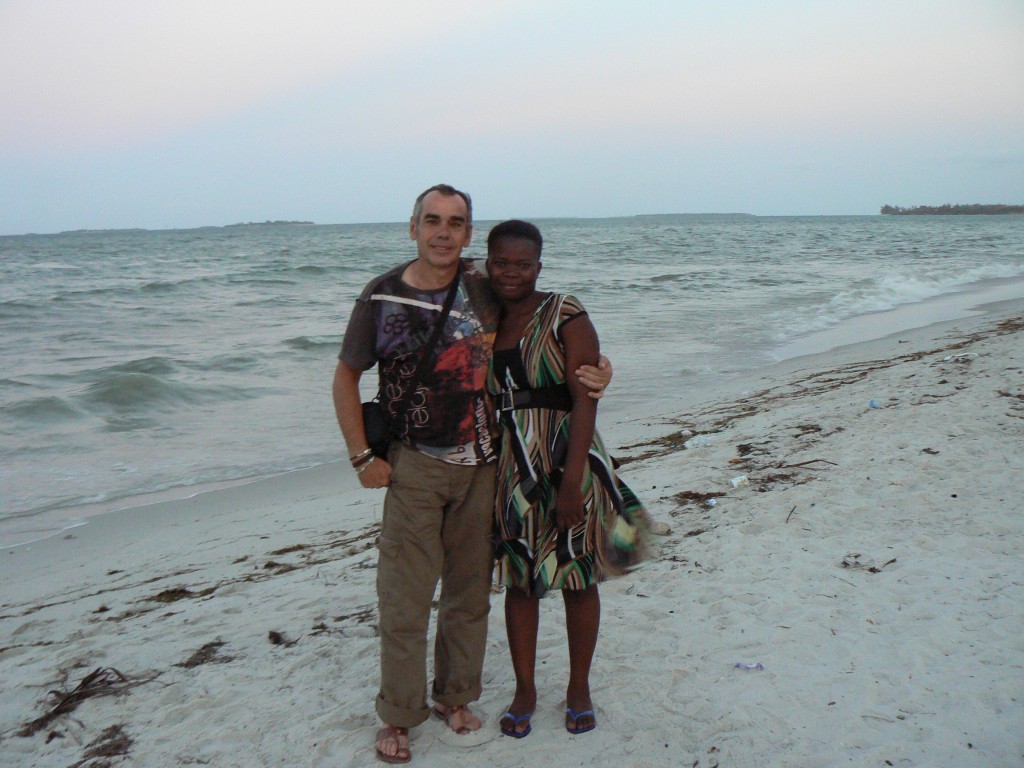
point(516, 720)
point(576, 716)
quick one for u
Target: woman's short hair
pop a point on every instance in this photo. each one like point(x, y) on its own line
point(515, 229)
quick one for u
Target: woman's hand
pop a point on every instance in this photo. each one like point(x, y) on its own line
point(569, 506)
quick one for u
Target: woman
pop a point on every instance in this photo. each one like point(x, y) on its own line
point(564, 520)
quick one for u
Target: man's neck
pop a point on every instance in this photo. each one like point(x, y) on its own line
point(425, 277)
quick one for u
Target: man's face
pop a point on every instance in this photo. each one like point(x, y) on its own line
point(442, 231)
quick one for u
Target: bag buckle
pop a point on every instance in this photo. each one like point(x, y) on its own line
point(506, 401)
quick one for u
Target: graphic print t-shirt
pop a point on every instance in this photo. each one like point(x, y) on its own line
point(450, 415)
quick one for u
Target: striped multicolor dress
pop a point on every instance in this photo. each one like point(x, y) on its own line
point(532, 553)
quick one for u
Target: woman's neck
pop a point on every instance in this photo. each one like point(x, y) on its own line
point(525, 307)
point(515, 316)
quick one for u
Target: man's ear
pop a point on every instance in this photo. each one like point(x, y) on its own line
point(412, 228)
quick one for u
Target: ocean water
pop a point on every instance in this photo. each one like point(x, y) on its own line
point(144, 361)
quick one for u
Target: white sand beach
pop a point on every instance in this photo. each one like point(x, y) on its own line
point(868, 569)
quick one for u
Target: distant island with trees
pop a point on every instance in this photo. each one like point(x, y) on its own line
point(657, 216)
point(973, 209)
point(268, 223)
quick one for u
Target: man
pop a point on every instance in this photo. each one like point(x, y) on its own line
point(438, 510)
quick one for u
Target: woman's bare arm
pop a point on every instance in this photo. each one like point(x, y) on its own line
point(581, 348)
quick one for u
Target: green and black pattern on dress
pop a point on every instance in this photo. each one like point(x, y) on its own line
point(532, 553)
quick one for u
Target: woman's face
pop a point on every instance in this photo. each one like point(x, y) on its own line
point(513, 265)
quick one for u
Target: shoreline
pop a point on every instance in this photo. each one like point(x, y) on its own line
point(625, 429)
point(867, 561)
point(871, 331)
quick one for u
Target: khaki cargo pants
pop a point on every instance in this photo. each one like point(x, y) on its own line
point(437, 524)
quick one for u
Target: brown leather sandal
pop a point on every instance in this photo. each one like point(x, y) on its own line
point(448, 714)
point(393, 734)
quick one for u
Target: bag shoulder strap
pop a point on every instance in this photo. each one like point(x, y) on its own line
point(427, 358)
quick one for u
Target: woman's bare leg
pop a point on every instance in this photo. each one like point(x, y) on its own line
point(522, 616)
point(582, 621)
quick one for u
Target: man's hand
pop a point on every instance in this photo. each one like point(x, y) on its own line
point(376, 475)
point(596, 379)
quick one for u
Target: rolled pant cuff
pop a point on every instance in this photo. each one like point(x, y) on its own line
point(401, 716)
point(459, 698)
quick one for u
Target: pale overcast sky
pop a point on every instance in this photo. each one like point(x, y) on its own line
point(181, 113)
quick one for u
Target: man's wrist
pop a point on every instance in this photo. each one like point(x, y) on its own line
point(360, 458)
